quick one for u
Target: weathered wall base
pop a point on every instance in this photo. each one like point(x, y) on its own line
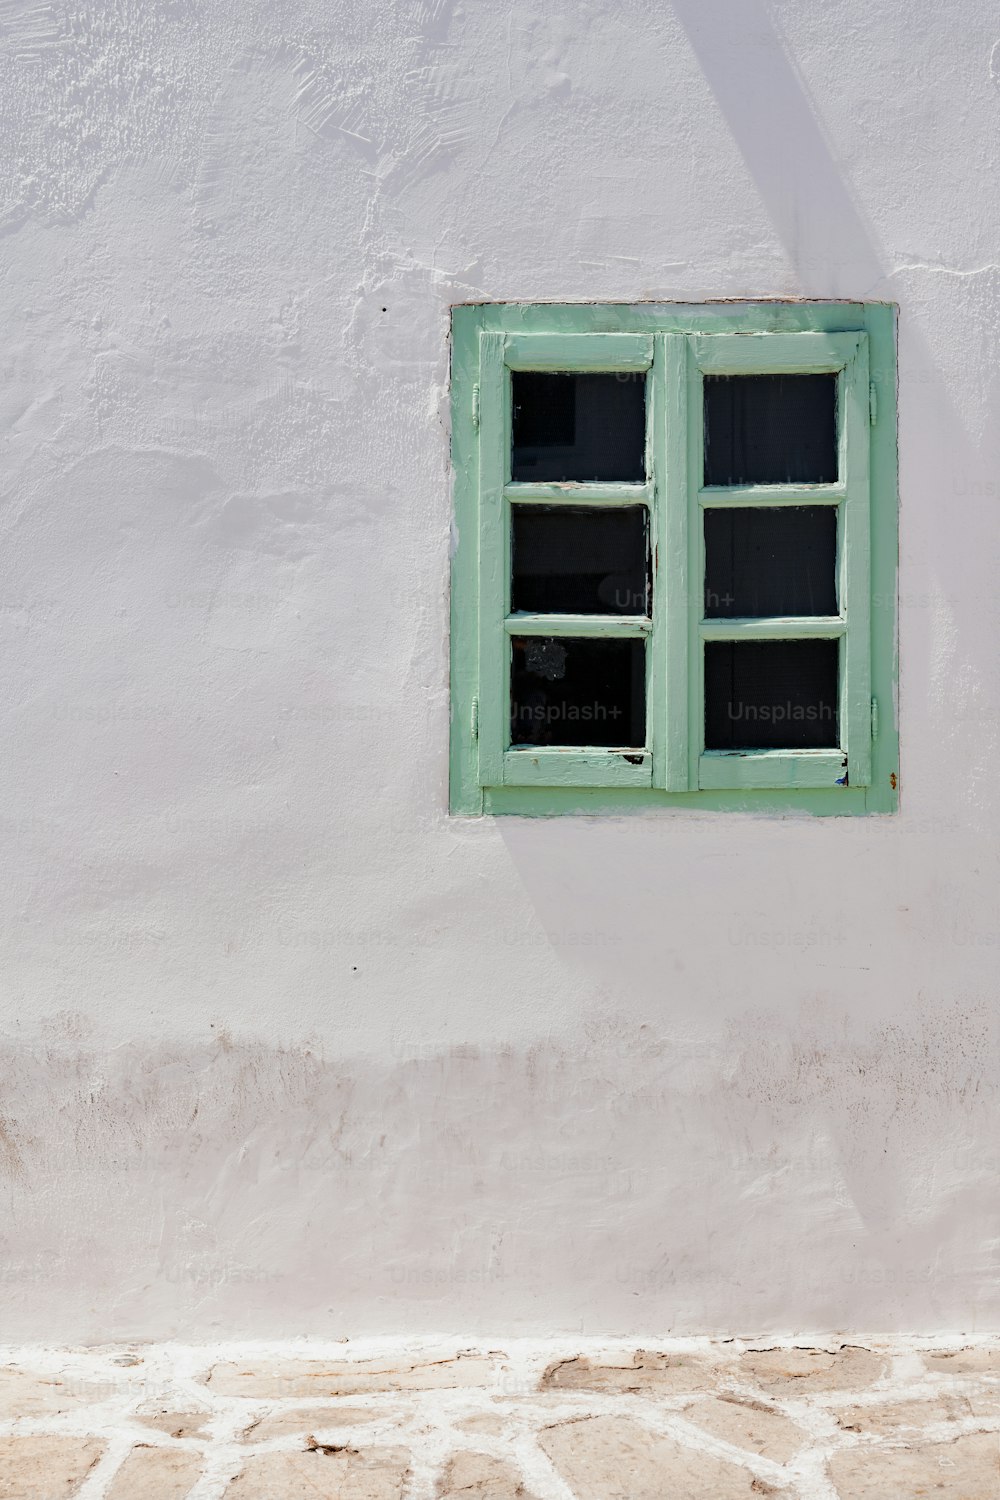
point(629, 1184)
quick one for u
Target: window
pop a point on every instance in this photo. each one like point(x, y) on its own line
point(674, 578)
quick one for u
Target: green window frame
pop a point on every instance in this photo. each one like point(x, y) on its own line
point(676, 346)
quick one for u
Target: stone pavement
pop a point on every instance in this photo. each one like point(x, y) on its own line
point(525, 1420)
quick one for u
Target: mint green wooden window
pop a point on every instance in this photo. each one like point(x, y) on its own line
point(674, 350)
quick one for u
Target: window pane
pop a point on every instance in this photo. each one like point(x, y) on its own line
point(572, 560)
point(577, 427)
point(770, 429)
point(771, 695)
point(773, 561)
point(577, 692)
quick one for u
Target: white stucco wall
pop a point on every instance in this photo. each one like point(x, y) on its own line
point(286, 1049)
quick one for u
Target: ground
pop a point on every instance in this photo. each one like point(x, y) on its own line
point(517, 1420)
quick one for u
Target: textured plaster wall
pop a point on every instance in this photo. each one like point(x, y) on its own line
point(285, 1049)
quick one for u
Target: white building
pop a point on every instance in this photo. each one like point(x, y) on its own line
point(289, 1048)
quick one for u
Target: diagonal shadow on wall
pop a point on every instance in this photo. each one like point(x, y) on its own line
point(835, 253)
point(767, 107)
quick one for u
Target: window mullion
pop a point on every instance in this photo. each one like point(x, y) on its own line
point(494, 464)
point(855, 571)
point(668, 696)
point(695, 592)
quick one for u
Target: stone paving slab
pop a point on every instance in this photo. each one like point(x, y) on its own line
point(45, 1467)
point(968, 1468)
point(531, 1420)
point(23, 1394)
point(614, 1458)
point(749, 1424)
point(476, 1476)
point(176, 1424)
point(278, 1379)
point(904, 1418)
point(323, 1474)
point(306, 1421)
point(649, 1371)
point(783, 1371)
point(980, 1361)
point(156, 1474)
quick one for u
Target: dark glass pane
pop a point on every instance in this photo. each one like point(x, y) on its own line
point(572, 560)
point(771, 695)
point(771, 562)
point(577, 692)
point(770, 429)
point(579, 426)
